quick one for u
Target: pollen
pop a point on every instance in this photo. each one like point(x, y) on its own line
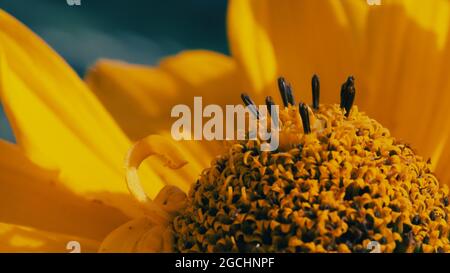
point(337, 183)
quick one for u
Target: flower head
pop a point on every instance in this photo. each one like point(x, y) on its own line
point(338, 182)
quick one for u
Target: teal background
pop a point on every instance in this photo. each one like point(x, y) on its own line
point(137, 31)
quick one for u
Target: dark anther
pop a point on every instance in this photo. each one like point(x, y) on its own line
point(286, 92)
point(304, 113)
point(315, 83)
point(269, 104)
point(348, 95)
point(282, 86)
point(344, 91)
point(250, 104)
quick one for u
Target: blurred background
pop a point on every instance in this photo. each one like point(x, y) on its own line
point(137, 31)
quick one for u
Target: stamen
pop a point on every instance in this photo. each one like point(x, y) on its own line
point(304, 113)
point(348, 95)
point(250, 104)
point(269, 104)
point(315, 83)
point(273, 116)
point(286, 92)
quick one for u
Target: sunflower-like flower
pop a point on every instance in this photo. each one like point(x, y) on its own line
point(64, 179)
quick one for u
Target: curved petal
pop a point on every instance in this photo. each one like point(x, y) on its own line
point(33, 197)
point(153, 145)
point(20, 239)
point(140, 99)
point(397, 51)
point(58, 121)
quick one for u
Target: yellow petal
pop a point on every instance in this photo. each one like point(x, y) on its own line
point(141, 98)
point(138, 235)
point(441, 159)
point(32, 196)
point(59, 123)
point(403, 73)
point(397, 51)
point(250, 43)
point(20, 239)
point(294, 38)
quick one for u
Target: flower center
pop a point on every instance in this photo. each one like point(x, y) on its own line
point(337, 183)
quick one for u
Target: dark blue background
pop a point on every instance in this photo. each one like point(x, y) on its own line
point(138, 31)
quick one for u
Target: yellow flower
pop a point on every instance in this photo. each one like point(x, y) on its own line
point(64, 180)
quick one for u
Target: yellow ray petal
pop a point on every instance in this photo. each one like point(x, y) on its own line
point(295, 39)
point(21, 239)
point(59, 123)
point(151, 92)
point(397, 51)
point(250, 43)
point(442, 156)
point(122, 88)
point(32, 196)
point(404, 70)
